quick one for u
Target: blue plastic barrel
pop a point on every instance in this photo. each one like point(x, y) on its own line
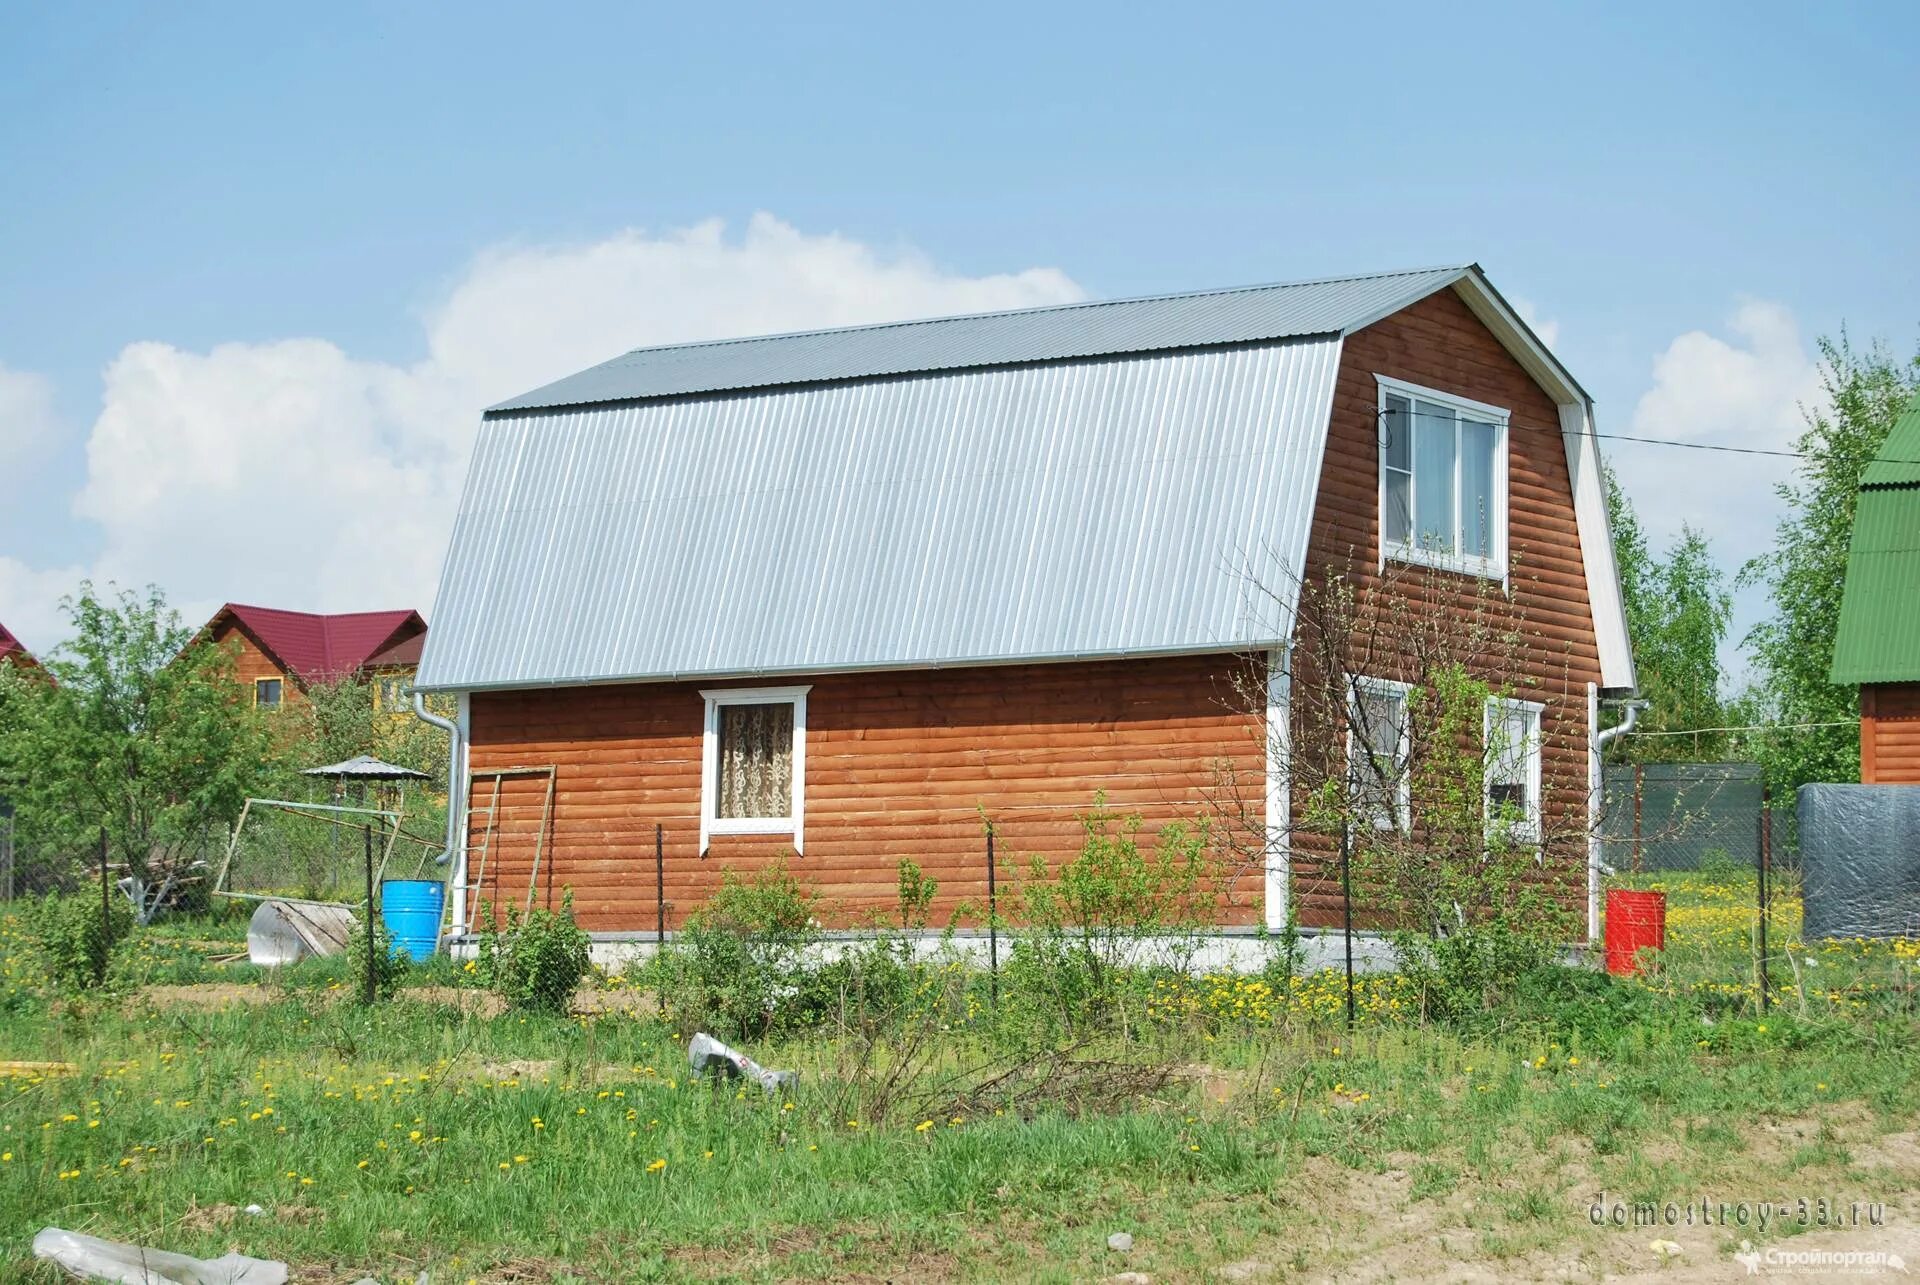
point(410, 909)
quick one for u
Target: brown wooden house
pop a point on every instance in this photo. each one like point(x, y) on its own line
point(1877, 645)
point(843, 596)
point(280, 653)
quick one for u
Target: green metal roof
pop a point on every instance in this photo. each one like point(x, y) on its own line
point(1879, 637)
point(1898, 462)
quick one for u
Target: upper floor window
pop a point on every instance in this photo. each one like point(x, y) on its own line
point(1443, 480)
point(754, 762)
point(390, 694)
point(266, 693)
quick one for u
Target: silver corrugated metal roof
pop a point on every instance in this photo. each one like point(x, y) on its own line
point(1090, 507)
point(1335, 306)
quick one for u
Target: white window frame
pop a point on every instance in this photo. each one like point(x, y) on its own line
point(794, 822)
point(1493, 567)
point(1402, 820)
point(1528, 827)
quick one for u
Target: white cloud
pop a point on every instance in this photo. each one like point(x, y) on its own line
point(295, 474)
point(27, 425)
point(1545, 327)
point(1750, 388)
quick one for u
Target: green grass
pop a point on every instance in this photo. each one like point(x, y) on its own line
point(417, 1135)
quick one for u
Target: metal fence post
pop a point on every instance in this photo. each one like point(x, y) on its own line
point(366, 840)
point(1346, 906)
point(106, 916)
point(1639, 843)
point(993, 927)
point(1766, 860)
point(660, 884)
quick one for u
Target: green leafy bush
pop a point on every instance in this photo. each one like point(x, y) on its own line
point(539, 960)
point(388, 969)
point(737, 966)
point(1113, 918)
point(74, 939)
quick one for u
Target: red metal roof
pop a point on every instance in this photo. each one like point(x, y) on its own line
point(320, 648)
point(11, 648)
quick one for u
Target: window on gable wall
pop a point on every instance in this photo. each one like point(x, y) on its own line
point(1378, 753)
point(266, 693)
point(1443, 480)
point(1513, 766)
point(754, 762)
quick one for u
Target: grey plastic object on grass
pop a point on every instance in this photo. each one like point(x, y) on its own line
point(90, 1258)
point(704, 1054)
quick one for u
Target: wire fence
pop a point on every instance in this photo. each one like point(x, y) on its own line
point(1690, 817)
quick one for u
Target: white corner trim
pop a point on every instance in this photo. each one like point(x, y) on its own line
point(1593, 814)
point(459, 795)
point(1278, 732)
point(1596, 545)
point(795, 821)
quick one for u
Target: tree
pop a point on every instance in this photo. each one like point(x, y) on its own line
point(142, 733)
point(1417, 702)
point(1678, 610)
point(1805, 572)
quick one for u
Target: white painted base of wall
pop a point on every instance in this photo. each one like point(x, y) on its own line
point(1213, 953)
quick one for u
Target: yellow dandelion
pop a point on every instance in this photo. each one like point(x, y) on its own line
point(656, 1166)
point(923, 1126)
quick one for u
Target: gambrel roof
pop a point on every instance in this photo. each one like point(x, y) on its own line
point(1093, 480)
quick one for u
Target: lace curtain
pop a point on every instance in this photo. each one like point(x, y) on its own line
point(756, 760)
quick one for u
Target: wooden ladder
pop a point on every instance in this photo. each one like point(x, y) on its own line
point(477, 858)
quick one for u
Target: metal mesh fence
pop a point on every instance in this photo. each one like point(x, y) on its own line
point(27, 873)
point(1689, 817)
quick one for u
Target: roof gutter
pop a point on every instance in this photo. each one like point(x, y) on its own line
point(452, 729)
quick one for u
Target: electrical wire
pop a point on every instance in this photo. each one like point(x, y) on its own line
point(1654, 441)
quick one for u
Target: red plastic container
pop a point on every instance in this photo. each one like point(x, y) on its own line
point(1634, 920)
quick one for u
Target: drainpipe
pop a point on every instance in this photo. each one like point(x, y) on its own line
point(1596, 867)
point(455, 804)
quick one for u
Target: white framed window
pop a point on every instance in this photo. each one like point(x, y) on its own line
point(1443, 480)
point(1379, 753)
point(754, 762)
point(1513, 766)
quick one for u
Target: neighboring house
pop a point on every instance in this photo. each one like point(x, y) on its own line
point(848, 594)
point(281, 653)
point(13, 652)
point(1878, 643)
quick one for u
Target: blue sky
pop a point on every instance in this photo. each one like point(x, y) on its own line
point(212, 211)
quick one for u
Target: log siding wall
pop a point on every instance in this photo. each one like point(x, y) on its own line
point(1438, 343)
point(251, 662)
point(1890, 734)
point(899, 765)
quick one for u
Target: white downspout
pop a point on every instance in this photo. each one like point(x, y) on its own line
point(456, 808)
point(1595, 802)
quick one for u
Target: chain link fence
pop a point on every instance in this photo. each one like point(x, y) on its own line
point(1658, 817)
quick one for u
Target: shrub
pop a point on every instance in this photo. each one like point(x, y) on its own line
point(387, 968)
point(741, 957)
point(1112, 918)
point(75, 941)
point(538, 962)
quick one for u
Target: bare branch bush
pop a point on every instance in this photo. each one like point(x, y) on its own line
point(1413, 698)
